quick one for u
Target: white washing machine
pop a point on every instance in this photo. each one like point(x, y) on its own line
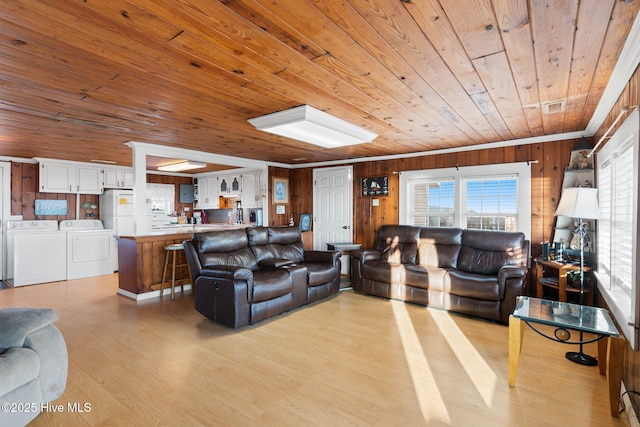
point(89, 248)
point(36, 252)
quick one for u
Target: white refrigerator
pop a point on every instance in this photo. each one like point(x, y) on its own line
point(116, 212)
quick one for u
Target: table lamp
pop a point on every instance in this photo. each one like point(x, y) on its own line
point(581, 203)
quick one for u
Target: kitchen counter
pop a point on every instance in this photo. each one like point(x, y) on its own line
point(195, 228)
point(141, 258)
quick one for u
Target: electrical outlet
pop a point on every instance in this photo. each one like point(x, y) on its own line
point(375, 202)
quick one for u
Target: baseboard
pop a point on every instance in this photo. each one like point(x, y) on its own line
point(630, 412)
point(151, 294)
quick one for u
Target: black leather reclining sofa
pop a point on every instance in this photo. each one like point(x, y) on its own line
point(243, 276)
point(475, 272)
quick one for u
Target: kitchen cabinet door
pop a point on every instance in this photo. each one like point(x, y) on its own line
point(251, 190)
point(118, 178)
point(89, 180)
point(57, 178)
point(230, 185)
point(206, 194)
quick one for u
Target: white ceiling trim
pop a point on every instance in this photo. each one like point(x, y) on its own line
point(486, 146)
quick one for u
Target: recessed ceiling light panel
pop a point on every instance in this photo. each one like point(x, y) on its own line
point(181, 166)
point(308, 124)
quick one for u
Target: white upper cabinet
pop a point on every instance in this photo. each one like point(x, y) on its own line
point(57, 178)
point(230, 185)
point(251, 190)
point(211, 186)
point(70, 177)
point(118, 177)
point(206, 192)
point(89, 180)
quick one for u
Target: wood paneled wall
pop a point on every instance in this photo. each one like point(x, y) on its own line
point(629, 97)
point(545, 175)
point(276, 219)
point(547, 170)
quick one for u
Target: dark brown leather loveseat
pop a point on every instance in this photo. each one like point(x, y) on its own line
point(474, 272)
point(244, 276)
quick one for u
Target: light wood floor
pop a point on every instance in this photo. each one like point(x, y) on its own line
point(350, 360)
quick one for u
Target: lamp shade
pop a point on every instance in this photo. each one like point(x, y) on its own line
point(579, 202)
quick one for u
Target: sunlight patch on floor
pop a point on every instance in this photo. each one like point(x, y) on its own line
point(480, 373)
point(429, 398)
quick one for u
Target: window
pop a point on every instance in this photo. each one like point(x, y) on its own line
point(433, 203)
point(491, 203)
point(617, 226)
point(492, 197)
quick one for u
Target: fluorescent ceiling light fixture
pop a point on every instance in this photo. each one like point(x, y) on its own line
point(181, 166)
point(308, 124)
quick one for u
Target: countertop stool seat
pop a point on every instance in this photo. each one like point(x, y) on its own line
point(171, 250)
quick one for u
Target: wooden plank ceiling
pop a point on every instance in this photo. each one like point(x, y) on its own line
point(78, 78)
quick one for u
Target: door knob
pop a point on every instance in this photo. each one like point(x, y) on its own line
point(346, 227)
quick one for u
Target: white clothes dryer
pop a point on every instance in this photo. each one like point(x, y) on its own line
point(89, 248)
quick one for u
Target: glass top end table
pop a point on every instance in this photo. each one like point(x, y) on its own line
point(566, 317)
point(578, 317)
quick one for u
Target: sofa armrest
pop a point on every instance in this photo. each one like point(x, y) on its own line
point(17, 323)
point(328, 257)
point(358, 258)
point(511, 272)
point(366, 255)
point(274, 263)
point(228, 272)
point(511, 280)
point(193, 260)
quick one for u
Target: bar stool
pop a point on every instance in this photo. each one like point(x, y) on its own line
point(171, 250)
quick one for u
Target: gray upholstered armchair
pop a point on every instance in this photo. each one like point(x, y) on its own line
point(33, 363)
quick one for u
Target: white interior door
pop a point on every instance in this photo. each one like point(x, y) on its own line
point(332, 206)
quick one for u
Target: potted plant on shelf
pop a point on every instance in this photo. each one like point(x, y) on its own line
point(573, 279)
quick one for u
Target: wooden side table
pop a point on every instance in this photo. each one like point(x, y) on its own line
point(553, 274)
point(345, 248)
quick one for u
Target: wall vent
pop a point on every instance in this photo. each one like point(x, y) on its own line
point(554, 107)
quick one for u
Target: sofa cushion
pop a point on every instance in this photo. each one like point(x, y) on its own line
point(258, 236)
point(439, 247)
point(286, 242)
point(225, 247)
point(485, 252)
point(270, 284)
point(259, 243)
point(476, 286)
point(18, 366)
point(383, 271)
point(398, 243)
point(221, 241)
point(423, 277)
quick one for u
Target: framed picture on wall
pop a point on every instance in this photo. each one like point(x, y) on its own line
point(377, 186)
point(305, 222)
point(280, 190)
